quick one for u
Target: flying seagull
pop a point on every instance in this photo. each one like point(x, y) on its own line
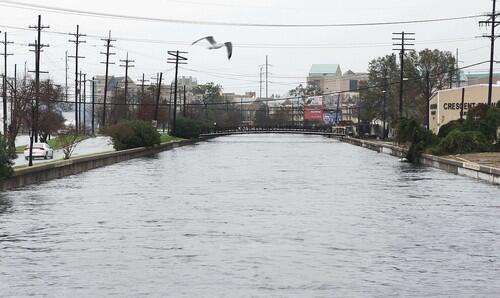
point(214, 45)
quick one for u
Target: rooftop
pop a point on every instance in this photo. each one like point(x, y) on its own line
point(325, 70)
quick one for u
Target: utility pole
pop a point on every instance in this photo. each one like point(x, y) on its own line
point(13, 97)
point(93, 106)
point(84, 103)
point(5, 54)
point(169, 108)
point(384, 120)
point(184, 107)
point(401, 39)
point(267, 76)
point(108, 53)
point(66, 77)
point(127, 66)
point(462, 105)
point(458, 72)
point(492, 21)
point(158, 92)
point(79, 102)
point(38, 48)
point(143, 80)
point(77, 42)
point(260, 83)
point(177, 59)
point(427, 96)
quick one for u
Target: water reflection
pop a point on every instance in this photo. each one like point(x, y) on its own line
point(5, 204)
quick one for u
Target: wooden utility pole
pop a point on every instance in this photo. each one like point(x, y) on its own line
point(84, 123)
point(176, 59)
point(77, 41)
point(401, 39)
point(184, 105)
point(492, 21)
point(5, 54)
point(93, 107)
point(38, 48)
point(107, 53)
point(127, 65)
point(158, 92)
point(143, 80)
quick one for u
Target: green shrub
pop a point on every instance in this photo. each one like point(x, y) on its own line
point(484, 119)
point(133, 134)
point(188, 128)
point(449, 127)
point(462, 142)
point(419, 138)
point(5, 160)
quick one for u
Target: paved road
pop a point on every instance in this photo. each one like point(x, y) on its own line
point(88, 146)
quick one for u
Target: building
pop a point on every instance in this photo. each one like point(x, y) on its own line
point(325, 76)
point(237, 98)
point(114, 84)
point(446, 105)
point(480, 78)
point(329, 78)
point(189, 82)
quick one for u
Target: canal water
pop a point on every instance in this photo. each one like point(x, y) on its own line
point(246, 216)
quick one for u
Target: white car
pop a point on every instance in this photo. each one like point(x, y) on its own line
point(40, 150)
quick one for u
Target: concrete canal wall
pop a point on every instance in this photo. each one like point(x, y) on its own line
point(472, 170)
point(24, 176)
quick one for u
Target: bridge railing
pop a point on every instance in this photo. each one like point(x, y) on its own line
point(226, 130)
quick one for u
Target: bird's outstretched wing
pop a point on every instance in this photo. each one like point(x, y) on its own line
point(229, 46)
point(210, 39)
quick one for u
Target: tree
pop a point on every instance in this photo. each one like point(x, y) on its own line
point(384, 76)
point(304, 92)
point(261, 119)
point(5, 160)
point(50, 119)
point(69, 140)
point(210, 92)
point(21, 93)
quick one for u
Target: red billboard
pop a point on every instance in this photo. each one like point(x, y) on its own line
point(313, 114)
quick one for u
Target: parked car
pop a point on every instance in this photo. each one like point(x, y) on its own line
point(40, 150)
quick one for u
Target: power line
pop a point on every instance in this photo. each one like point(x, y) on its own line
point(31, 6)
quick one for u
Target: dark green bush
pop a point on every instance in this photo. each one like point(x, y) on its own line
point(449, 127)
point(188, 128)
point(484, 119)
point(133, 134)
point(462, 142)
point(419, 138)
point(5, 160)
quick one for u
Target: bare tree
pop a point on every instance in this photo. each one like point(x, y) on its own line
point(69, 141)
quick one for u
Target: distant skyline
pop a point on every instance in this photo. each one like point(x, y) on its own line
point(291, 51)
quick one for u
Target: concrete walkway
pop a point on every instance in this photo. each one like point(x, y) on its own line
point(489, 159)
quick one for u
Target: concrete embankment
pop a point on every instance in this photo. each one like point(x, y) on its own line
point(463, 168)
point(24, 176)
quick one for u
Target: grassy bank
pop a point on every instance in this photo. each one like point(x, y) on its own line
point(168, 138)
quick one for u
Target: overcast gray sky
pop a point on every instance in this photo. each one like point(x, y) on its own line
point(291, 51)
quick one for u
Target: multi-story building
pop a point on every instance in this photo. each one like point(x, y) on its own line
point(330, 79)
point(114, 84)
point(189, 82)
